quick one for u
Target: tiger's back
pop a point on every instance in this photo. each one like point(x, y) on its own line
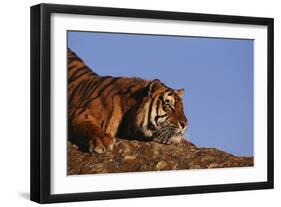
point(100, 107)
point(101, 100)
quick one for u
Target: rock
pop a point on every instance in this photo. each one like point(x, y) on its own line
point(138, 156)
point(161, 165)
point(129, 157)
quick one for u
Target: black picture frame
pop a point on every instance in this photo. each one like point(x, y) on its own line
point(41, 96)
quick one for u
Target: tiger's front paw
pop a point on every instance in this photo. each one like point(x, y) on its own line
point(100, 145)
point(108, 142)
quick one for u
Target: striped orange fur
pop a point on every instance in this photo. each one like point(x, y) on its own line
point(101, 108)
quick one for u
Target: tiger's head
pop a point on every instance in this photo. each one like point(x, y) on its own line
point(161, 116)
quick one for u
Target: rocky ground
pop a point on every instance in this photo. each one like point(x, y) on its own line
point(137, 156)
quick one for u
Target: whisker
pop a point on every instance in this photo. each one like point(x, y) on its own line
point(165, 135)
point(168, 136)
point(173, 126)
point(161, 134)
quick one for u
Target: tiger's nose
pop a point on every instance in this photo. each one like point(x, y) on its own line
point(182, 124)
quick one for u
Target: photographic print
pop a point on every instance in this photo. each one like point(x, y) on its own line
point(123, 100)
point(141, 102)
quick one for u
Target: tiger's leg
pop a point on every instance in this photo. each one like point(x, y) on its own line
point(98, 141)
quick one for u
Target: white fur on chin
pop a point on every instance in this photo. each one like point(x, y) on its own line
point(176, 139)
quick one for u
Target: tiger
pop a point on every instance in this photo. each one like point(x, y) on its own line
point(102, 108)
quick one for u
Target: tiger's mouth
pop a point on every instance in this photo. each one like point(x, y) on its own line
point(168, 135)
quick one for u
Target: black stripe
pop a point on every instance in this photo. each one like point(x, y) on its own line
point(100, 91)
point(157, 110)
point(74, 70)
point(149, 112)
point(89, 88)
point(70, 87)
point(113, 86)
point(75, 66)
point(80, 75)
point(129, 89)
point(71, 67)
point(97, 85)
point(102, 124)
point(173, 109)
point(75, 91)
point(81, 90)
point(165, 106)
point(107, 85)
point(87, 85)
point(158, 117)
point(76, 112)
point(71, 59)
point(74, 76)
point(78, 70)
point(125, 92)
point(82, 104)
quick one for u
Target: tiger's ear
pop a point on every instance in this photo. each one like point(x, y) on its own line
point(180, 92)
point(153, 86)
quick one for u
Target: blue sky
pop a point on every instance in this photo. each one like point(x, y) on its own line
point(217, 75)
